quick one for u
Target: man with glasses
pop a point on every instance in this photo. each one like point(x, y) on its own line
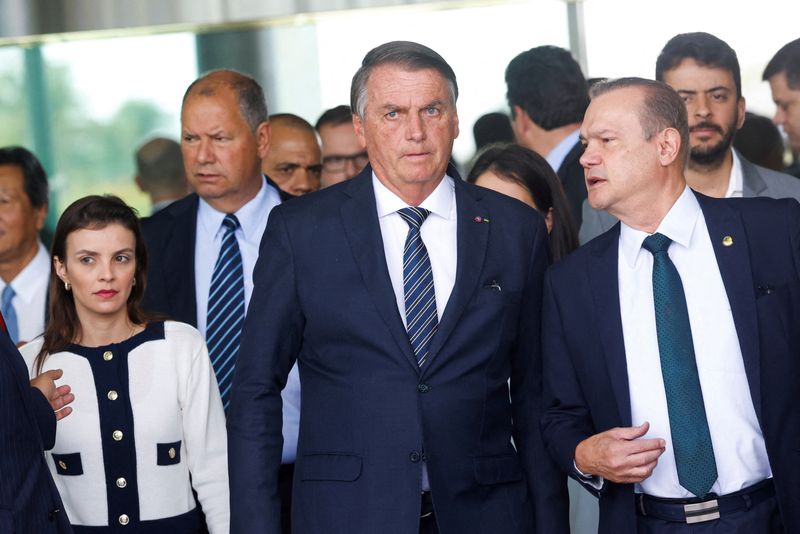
point(343, 157)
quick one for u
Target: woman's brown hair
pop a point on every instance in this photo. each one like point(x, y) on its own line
point(94, 212)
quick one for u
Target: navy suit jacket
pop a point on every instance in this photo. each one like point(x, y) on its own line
point(586, 383)
point(170, 237)
point(574, 182)
point(29, 501)
point(370, 415)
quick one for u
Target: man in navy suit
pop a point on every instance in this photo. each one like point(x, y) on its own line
point(29, 501)
point(427, 305)
point(670, 342)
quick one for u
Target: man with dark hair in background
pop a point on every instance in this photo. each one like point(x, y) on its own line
point(159, 172)
point(548, 96)
point(704, 71)
point(203, 248)
point(670, 341)
point(24, 260)
point(427, 305)
point(293, 161)
point(783, 74)
point(342, 154)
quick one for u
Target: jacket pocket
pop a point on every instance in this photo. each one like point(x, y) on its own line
point(168, 453)
point(342, 467)
point(68, 464)
point(490, 470)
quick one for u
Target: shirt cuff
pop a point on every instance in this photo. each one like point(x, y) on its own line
point(592, 480)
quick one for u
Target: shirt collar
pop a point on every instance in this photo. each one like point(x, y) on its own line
point(250, 215)
point(440, 202)
point(736, 182)
point(27, 282)
point(556, 156)
point(678, 225)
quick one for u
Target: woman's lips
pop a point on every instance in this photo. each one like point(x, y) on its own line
point(106, 293)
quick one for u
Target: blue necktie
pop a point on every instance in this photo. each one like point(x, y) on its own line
point(226, 309)
point(420, 297)
point(9, 313)
point(691, 439)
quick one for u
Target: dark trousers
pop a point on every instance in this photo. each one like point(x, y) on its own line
point(285, 479)
point(762, 518)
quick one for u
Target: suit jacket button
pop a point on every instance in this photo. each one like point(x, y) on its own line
point(112, 395)
point(423, 388)
point(117, 435)
point(108, 355)
point(124, 519)
point(121, 482)
point(414, 456)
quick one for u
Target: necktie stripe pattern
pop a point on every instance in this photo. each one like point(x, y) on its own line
point(418, 290)
point(10, 314)
point(691, 438)
point(226, 309)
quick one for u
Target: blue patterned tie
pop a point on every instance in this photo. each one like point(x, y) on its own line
point(420, 297)
point(226, 309)
point(9, 313)
point(691, 439)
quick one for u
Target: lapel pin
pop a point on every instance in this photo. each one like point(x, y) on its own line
point(479, 219)
point(727, 241)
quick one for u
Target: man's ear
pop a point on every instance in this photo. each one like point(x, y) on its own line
point(263, 136)
point(358, 126)
point(669, 146)
point(741, 107)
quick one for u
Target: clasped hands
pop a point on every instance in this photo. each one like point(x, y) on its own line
point(59, 397)
point(619, 454)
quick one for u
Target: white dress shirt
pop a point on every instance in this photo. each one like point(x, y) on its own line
point(30, 286)
point(438, 232)
point(208, 241)
point(556, 156)
point(738, 443)
point(736, 181)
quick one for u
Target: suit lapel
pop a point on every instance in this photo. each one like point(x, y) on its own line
point(604, 281)
point(734, 267)
point(363, 231)
point(472, 245)
point(179, 250)
point(753, 184)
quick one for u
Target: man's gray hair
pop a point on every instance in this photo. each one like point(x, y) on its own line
point(249, 94)
point(662, 108)
point(405, 54)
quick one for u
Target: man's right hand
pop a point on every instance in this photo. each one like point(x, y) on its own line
point(619, 455)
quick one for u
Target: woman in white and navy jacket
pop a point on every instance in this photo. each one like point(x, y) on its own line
point(147, 425)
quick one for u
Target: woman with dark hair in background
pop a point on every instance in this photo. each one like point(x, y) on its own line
point(147, 425)
point(523, 174)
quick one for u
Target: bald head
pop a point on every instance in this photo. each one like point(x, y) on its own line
point(294, 160)
point(249, 94)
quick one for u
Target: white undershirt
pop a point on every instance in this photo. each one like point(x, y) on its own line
point(738, 443)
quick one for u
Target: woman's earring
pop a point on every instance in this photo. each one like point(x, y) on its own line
point(67, 286)
point(134, 282)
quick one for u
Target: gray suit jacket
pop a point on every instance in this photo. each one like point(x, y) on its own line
point(757, 182)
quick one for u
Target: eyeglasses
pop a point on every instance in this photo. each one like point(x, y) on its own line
point(338, 163)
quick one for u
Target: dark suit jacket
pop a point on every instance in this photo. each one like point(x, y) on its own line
point(370, 415)
point(170, 237)
point(574, 182)
point(29, 501)
point(586, 384)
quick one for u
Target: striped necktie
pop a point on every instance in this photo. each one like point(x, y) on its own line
point(226, 309)
point(418, 291)
point(10, 314)
point(691, 438)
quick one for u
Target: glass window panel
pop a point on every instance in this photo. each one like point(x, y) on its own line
point(13, 98)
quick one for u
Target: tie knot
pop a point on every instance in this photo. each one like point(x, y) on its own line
point(656, 243)
point(414, 217)
point(230, 222)
point(8, 295)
